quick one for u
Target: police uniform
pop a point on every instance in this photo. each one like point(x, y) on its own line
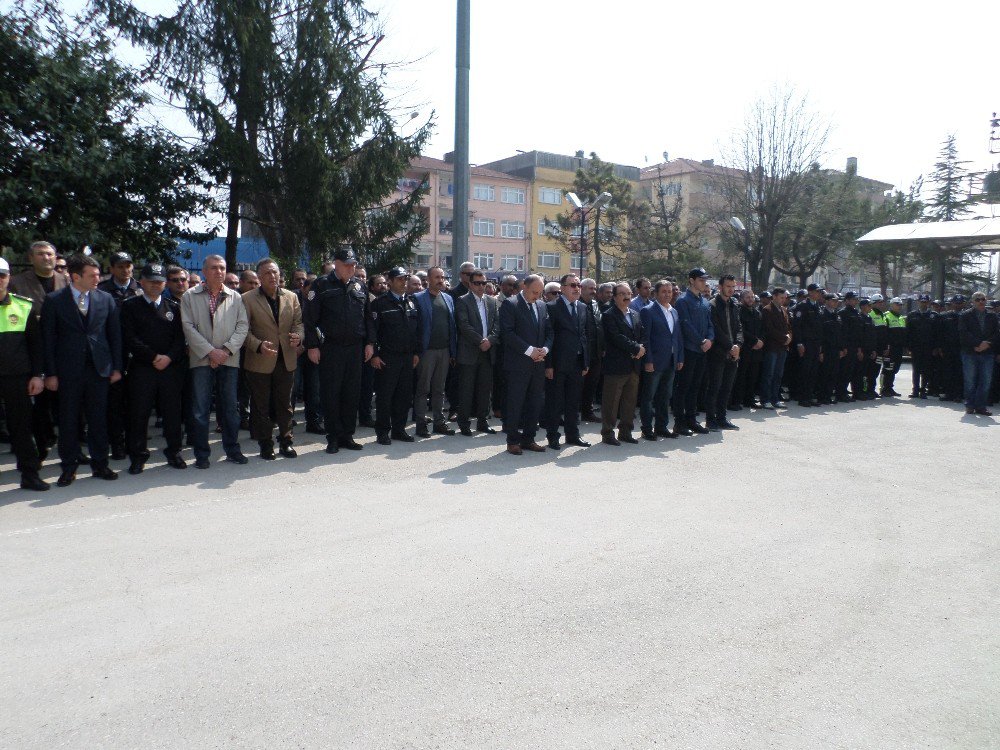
point(881, 344)
point(896, 337)
point(868, 365)
point(118, 392)
point(949, 344)
point(338, 323)
point(20, 360)
point(831, 346)
point(921, 328)
point(807, 331)
point(852, 368)
point(397, 339)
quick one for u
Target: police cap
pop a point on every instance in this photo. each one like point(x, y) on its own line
point(924, 298)
point(4, 267)
point(814, 288)
point(120, 257)
point(698, 273)
point(345, 255)
point(153, 272)
point(851, 295)
point(395, 273)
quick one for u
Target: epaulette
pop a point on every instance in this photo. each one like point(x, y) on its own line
point(21, 296)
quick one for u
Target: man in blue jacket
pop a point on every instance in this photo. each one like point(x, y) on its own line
point(83, 357)
point(661, 336)
point(698, 334)
point(440, 343)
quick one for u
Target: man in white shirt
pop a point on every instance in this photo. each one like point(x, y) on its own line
point(664, 357)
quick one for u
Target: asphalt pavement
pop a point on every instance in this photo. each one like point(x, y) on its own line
point(823, 578)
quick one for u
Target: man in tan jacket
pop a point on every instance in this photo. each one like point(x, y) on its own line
point(215, 326)
point(270, 358)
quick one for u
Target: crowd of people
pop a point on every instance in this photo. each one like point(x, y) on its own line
point(96, 359)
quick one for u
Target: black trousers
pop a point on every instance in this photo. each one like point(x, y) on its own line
point(44, 417)
point(499, 384)
point(525, 393)
point(475, 384)
point(117, 414)
point(90, 391)
point(688, 384)
point(17, 404)
point(951, 373)
point(340, 389)
point(393, 392)
point(922, 362)
point(149, 387)
point(591, 384)
point(721, 376)
point(892, 367)
point(367, 391)
point(850, 374)
point(829, 370)
point(747, 377)
point(808, 374)
point(872, 368)
point(562, 402)
point(271, 402)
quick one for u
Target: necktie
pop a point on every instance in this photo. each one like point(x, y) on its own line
point(534, 313)
point(83, 302)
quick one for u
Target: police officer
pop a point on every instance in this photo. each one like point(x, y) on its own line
point(852, 365)
point(877, 316)
point(868, 368)
point(832, 348)
point(397, 344)
point(20, 377)
point(921, 326)
point(339, 338)
point(950, 350)
point(121, 286)
point(807, 332)
point(895, 322)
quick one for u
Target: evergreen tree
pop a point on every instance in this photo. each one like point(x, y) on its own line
point(890, 261)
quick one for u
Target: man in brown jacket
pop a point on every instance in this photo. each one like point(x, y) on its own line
point(777, 333)
point(270, 358)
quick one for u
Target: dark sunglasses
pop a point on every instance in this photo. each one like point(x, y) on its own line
point(60, 268)
point(574, 286)
point(478, 283)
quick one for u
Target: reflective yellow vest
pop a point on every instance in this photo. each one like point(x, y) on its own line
point(14, 317)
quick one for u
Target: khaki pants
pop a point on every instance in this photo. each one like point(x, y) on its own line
point(618, 402)
point(271, 399)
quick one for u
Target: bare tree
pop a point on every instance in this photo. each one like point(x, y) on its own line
point(771, 157)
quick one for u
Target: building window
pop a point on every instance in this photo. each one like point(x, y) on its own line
point(483, 227)
point(608, 264)
point(483, 192)
point(444, 261)
point(422, 260)
point(483, 261)
point(512, 263)
point(447, 188)
point(574, 262)
point(445, 226)
point(548, 260)
point(550, 195)
point(670, 188)
point(546, 227)
point(512, 230)
point(512, 195)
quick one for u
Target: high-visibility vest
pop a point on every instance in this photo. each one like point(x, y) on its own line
point(877, 317)
point(14, 317)
point(895, 321)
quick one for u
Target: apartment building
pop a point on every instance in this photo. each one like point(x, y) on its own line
point(550, 177)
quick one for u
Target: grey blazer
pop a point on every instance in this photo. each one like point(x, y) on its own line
point(470, 328)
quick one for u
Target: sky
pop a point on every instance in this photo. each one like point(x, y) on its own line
point(633, 79)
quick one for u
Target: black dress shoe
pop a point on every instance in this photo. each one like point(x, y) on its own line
point(712, 426)
point(287, 451)
point(701, 430)
point(238, 458)
point(177, 462)
point(984, 412)
point(466, 430)
point(626, 437)
point(202, 463)
point(118, 453)
point(423, 432)
point(402, 437)
point(485, 428)
point(33, 482)
point(725, 424)
point(589, 416)
point(267, 451)
point(579, 442)
point(136, 467)
point(443, 429)
point(554, 444)
point(332, 448)
point(66, 478)
point(667, 434)
point(104, 473)
point(609, 440)
point(649, 435)
point(351, 444)
point(315, 429)
point(679, 431)
point(383, 440)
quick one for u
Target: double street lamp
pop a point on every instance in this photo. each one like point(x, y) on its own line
point(585, 208)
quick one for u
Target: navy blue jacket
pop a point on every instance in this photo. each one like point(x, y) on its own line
point(518, 331)
point(664, 349)
point(569, 341)
point(69, 338)
point(696, 320)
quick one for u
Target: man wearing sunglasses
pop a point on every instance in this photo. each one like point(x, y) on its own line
point(979, 337)
point(566, 363)
point(477, 319)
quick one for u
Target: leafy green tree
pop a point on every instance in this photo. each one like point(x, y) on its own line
point(889, 261)
point(290, 106)
point(661, 242)
point(606, 226)
point(76, 166)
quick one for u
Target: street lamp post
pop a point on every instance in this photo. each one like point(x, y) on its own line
point(598, 203)
point(738, 226)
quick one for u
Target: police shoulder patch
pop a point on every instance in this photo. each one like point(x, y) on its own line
point(311, 295)
point(798, 313)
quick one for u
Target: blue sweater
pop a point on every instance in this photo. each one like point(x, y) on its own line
point(696, 320)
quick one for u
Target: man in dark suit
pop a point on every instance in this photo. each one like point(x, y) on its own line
point(476, 317)
point(526, 333)
point(566, 364)
point(153, 336)
point(662, 338)
point(83, 356)
point(979, 338)
point(624, 350)
point(724, 356)
point(595, 347)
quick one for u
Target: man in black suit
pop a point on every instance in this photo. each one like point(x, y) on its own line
point(526, 333)
point(622, 360)
point(979, 337)
point(567, 363)
point(595, 350)
point(153, 336)
point(83, 356)
point(476, 316)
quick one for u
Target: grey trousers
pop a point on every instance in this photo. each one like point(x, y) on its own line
point(432, 372)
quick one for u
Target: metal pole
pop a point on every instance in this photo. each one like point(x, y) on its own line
point(583, 243)
point(460, 241)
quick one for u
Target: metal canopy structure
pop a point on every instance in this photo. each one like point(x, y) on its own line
point(970, 235)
